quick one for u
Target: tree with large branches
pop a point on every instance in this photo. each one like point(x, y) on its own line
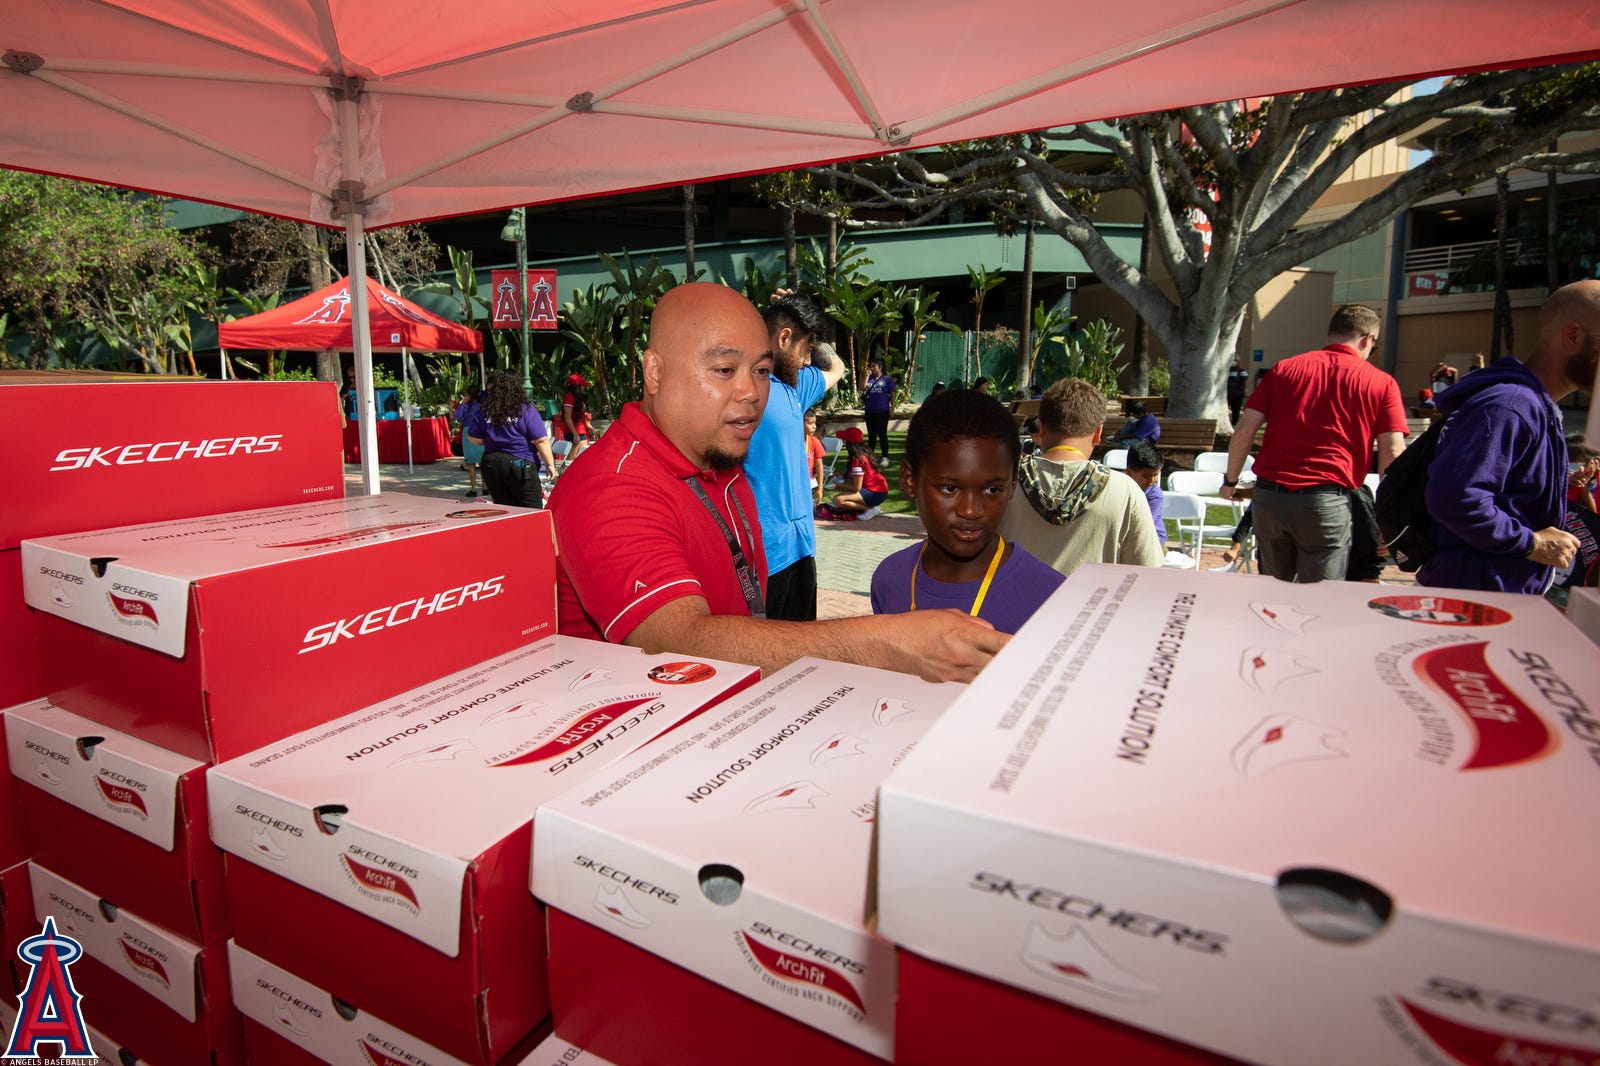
point(1248, 171)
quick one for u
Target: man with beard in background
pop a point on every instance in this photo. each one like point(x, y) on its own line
point(1497, 486)
point(777, 465)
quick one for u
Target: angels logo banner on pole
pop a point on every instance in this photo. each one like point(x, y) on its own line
point(541, 299)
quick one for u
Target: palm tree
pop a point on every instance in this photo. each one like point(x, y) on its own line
point(590, 319)
point(982, 282)
point(639, 289)
point(922, 315)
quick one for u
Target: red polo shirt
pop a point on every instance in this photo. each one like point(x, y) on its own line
point(631, 536)
point(1323, 410)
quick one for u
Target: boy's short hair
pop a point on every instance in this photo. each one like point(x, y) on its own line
point(1143, 455)
point(960, 414)
point(1072, 408)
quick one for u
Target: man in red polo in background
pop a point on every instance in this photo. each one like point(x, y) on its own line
point(658, 540)
point(1323, 410)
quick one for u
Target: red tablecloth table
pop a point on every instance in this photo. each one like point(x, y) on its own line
point(430, 440)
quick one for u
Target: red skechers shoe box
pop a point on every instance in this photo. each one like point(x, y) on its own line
point(79, 454)
point(124, 819)
point(16, 923)
point(20, 679)
point(384, 857)
point(162, 998)
point(214, 636)
point(934, 1024)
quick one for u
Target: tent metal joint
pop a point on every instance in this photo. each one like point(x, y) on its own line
point(895, 136)
point(350, 199)
point(22, 62)
point(581, 102)
point(345, 87)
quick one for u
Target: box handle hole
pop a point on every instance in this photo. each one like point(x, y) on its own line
point(721, 883)
point(1333, 906)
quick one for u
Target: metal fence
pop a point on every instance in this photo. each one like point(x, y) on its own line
point(963, 357)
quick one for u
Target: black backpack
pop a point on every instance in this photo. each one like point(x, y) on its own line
point(1402, 504)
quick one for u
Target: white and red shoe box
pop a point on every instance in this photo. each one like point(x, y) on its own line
point(744, 858)
point(147, 451)
point(291, 1020)
point(120, 817)
point(214, 636)
point(1325, 823)
point(385, 856)
point(80, 454)
point(155, 994)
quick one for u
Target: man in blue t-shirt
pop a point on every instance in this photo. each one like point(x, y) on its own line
point(776, 463)
point(878, 402)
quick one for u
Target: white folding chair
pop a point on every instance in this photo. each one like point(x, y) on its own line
point(1116, 459)
point(1188, 511)
point(1199, 482)
point(1218, 461)
point(832, 448)
point(1185, 511)
point(1372, 483)
point(560, 448)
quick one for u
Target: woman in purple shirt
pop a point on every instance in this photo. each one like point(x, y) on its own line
point(510, 431)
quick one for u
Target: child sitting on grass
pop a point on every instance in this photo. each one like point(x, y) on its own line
point(864, 489)
point(960, 468)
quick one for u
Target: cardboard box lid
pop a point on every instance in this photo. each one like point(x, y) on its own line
point(134, 582)
point(311, 1018)
point(1244, 726)
point(117, 778)
point(148, 449)
point(741, 849)
point(387, 808)
point(151, 958)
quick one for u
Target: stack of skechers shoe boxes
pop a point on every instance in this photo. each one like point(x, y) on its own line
point(183, 583)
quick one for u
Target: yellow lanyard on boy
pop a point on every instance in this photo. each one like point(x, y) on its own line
point(983, 589)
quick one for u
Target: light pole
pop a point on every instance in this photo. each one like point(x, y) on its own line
point(516, 231)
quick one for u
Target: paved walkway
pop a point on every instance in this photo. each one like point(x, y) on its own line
point(847, 552)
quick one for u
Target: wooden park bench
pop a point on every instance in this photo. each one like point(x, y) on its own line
point(1189, 435)
point(1022, 410)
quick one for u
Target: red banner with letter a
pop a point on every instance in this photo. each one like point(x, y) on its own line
point(505, 293)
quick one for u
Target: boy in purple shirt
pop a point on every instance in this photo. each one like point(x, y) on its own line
point(960, 468)
point(1144, 466)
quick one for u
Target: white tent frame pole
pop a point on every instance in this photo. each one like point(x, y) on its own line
point(355, 247)
point(405, 400)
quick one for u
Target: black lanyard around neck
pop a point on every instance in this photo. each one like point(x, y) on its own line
point(748, 583)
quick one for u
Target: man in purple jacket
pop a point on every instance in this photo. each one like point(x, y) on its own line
point(1498, 483)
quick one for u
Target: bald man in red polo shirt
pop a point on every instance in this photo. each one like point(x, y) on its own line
point(658, 540)
point(1323, 411)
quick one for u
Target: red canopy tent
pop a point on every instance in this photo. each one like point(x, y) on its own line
point(367, 113)
point(323, 319)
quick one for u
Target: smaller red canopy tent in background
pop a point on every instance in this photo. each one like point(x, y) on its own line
point(322, 320)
